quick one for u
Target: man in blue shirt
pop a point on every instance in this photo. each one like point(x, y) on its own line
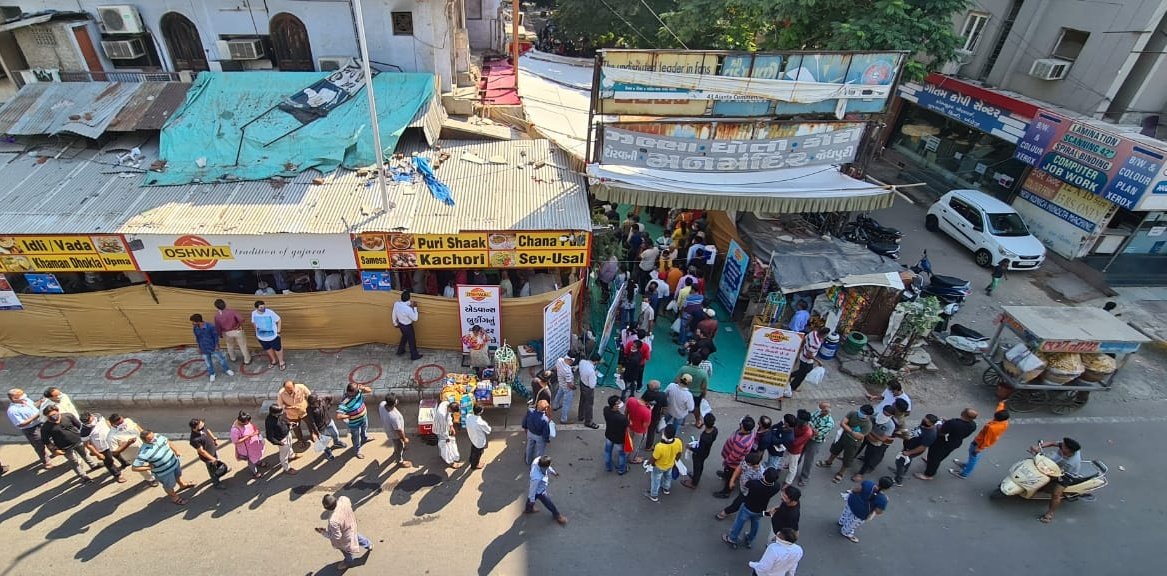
point(541, 473)
point(538, 428)
point(800, 318)
point(25, 416)
point(207, 338)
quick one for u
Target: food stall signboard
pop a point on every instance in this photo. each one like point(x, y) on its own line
point(480, 306)
point(556, 330)
point(8, 299)
point(401, 251)
point(769, 361)
point(100, 253)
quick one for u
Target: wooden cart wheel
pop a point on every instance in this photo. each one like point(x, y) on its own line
point(990, 378)
point(1069, 402)
point(1023, 401)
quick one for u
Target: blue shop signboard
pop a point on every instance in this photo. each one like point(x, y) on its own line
point(966, 109)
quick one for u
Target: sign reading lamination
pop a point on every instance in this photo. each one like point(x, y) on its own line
point(769, 361)
point(629, 148)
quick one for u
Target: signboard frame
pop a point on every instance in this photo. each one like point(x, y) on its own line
point(21, 253)
point(771, 357)
point(8, 298)
point(557, 325)
point(187, 252)
point(472, 250)
point(733, 275)
point(489, 318)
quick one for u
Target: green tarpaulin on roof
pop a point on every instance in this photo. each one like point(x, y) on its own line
point(209, 139)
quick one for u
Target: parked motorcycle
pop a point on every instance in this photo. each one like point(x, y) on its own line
point(946, 289)
point(1027, 478)
point(866, 229)
point(885, 249)
point(964, 342)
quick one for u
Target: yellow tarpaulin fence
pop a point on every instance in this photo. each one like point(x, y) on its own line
point(129, 319)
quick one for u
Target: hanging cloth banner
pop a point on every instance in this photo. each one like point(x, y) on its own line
point(711, 87)
point(317, 100)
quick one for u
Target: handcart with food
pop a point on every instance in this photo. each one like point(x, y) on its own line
point(1064, 354)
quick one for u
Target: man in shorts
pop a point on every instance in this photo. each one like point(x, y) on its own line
point(855, 428)
point(157, 456)
point(267, 330)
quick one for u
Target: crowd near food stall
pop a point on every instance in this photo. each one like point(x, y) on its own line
point(1065, 353)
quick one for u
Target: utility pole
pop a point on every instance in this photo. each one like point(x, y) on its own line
point(386, 205)
point(515, 40)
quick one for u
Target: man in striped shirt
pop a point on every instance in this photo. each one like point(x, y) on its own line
point(352, 410)
point(158, 457)
point(733, 452)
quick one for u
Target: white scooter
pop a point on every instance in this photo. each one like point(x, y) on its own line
point(1027, 478)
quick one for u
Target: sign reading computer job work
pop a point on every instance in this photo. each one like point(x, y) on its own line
point(628, 148)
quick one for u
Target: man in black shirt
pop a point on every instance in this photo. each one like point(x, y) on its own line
point(786, 513)
point(916, 442)
point(951, 436)
point(658, 401)
point(207, 446)
point(754, 505)
point(63, 432)
point(615, 427)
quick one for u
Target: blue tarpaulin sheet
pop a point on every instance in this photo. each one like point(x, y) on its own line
point(211, 127)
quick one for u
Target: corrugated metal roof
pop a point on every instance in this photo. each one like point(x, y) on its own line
point(90, 108)
point(91, 193)
point(429, 118)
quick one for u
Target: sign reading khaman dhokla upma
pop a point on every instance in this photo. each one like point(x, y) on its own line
point(380, 251)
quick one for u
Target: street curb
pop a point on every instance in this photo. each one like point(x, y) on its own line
point(216, 398)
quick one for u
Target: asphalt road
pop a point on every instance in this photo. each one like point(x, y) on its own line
point(470, 523)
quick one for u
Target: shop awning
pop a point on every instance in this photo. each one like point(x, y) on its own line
point(789, 190)
point(816, 264)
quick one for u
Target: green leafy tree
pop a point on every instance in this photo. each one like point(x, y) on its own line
point(618, 24)
point(922, 27)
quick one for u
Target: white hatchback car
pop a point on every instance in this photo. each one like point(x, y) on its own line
point(989, 227)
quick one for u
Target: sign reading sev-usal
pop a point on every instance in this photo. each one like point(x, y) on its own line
point(629, 148)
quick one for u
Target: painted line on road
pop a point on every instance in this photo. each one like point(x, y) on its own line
point(1088, 420)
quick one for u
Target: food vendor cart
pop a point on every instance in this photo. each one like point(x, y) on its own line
point(1065, 354)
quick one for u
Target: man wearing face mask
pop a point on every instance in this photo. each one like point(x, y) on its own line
point(25, 416)
point(95, 433)
point(63, 432)
point(615, 430)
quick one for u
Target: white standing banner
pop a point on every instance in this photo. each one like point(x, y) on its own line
point(610, 319)
point(556, 330)
point(480, 306)
point(769, 361)
point(170, 252)
point(8, 298)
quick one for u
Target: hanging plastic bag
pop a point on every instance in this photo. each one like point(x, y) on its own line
point(320, 445)
point(705, 408)
point(815, 377)
point(551, 425)
point(628, 447)
point(676, 327)
point(681, 469)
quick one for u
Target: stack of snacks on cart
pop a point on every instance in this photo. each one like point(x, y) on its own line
point(1061, 367)
point(1099, 367)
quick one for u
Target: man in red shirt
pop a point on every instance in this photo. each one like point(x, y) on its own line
point(639, 415)
point(230, 327)
point(645, 346)
point(802, 435)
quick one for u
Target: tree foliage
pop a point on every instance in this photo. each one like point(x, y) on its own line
point(921, 27)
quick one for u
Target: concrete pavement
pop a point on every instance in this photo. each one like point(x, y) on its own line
point(429, 521)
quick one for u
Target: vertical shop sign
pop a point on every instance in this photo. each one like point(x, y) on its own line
point(769, 361)
point(556, 330)
point(732, 276)
point(480, 306)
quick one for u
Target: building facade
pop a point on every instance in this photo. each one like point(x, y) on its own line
point(62, 36)
point(1061, 113)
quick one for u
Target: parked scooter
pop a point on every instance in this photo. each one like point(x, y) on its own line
point(947, 289)
point(965, 343)
point(1027, 478)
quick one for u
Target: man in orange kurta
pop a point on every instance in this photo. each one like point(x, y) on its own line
point(986, 438)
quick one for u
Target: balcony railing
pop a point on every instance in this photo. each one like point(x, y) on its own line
point(44, 75)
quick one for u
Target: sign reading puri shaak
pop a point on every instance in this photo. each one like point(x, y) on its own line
point(629, 148)
point(161, 252)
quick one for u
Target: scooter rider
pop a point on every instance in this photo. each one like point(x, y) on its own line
point(1069, 459)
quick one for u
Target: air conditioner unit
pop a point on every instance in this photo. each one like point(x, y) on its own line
point(332, 64)
point(251, 49)
point(123, 49)
point(962, 56)
point(120, 20)
point(1050, 68)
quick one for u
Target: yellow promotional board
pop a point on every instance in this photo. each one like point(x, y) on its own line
point(400, 251)
point(100, 253)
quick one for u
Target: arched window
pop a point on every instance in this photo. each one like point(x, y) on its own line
point(289, 40)
point(183, 42)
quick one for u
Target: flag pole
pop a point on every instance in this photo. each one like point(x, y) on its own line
point(386, 205)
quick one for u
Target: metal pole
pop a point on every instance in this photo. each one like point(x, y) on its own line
point(515, 40)
point(386, 205)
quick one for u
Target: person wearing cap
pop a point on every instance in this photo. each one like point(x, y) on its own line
point(855, 426)
point(708, 324)
point(698, 384)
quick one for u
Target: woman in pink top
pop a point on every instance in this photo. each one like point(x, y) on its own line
point(248, 443)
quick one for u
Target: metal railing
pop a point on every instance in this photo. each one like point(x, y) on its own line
point(25, 76)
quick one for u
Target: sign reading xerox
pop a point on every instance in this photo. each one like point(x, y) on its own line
point(628, 148)
point(967, 110)
point(1085, 156)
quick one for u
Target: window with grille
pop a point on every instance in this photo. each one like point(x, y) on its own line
point(43, 37)
point(974, 25)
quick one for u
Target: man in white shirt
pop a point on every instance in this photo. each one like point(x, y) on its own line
point(588, 378)
point(477, 429)
point(781, 556)
point(648, 258)
point(647, 316)
point(95, 433)
point(894, 391)
point(680, 401)
point(267, 330)
point(566, 391)
point(404, 315)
